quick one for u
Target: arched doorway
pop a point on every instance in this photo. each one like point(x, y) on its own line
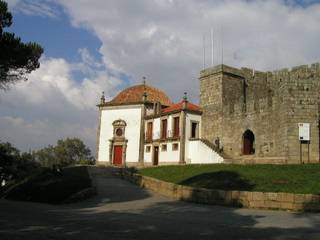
point(248, 142)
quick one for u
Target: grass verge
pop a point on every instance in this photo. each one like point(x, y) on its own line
point(263, 178)
point(49, 186)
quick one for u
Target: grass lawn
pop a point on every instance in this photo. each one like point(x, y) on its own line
point(49, 186)
point(266, 178)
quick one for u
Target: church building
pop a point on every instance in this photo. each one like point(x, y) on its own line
point(142, 126)
point(245, 116)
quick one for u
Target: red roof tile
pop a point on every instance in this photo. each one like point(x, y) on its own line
point(135, 94)
point(179, 106)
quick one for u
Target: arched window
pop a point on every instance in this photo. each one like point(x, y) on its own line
point(248, 142)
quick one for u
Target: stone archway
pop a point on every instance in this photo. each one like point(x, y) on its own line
point(248, 143)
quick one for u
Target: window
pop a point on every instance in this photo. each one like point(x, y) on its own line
point(176, 130)
point(164, 147)
point(148, 148)
point(164, 124)
point(194, 130)
point(175, 147)
point(149, 131)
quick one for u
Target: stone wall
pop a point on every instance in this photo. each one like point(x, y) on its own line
point(268, 200)
point(270, 104)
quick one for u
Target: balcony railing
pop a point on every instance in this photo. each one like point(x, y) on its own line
point(158, 135)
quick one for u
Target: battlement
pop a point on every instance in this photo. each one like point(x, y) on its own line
point(302, 71)
point(314, 68)
point(218, 69)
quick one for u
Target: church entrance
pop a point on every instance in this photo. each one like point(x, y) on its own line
point(248, 143)
point(117, 155)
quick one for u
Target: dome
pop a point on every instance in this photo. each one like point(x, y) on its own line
point(134, 94)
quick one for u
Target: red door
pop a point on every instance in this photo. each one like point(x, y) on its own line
point(246, 146)
point(117, 155)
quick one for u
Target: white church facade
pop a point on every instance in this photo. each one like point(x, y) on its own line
point(142, 126)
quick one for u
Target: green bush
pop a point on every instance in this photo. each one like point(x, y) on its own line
point(50, 186)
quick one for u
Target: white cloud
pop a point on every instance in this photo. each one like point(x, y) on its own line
point(55, 79)
point(34, 134)
point(163, 39)
point(52, 104)
point(159, 39)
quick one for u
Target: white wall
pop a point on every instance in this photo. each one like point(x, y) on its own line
point(169, 155)
point(201, 153)
point(190, 117)
point(148, 155)
point(132, 116)
point(169, 133)
point(156, 128)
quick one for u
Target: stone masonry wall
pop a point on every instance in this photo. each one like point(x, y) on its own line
point(263, 200)
point(270, 104)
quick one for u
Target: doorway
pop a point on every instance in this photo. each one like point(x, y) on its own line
point(248, 143)
point(117, 155)
point(156, 155)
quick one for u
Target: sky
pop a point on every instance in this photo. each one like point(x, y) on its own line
point(108, 45)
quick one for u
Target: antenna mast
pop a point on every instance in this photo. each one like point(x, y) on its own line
point(212, 48)
point(204, 51)
point(221, 45)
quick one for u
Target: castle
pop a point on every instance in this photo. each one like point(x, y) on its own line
point(245, 116)
point(256, 115)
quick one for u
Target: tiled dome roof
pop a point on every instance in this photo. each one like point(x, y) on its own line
point(134, 94)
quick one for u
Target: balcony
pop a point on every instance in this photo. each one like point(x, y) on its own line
point(156, 136)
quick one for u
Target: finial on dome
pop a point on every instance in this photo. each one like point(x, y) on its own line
point(144, 81)
point(185, 97)
point(102, 99)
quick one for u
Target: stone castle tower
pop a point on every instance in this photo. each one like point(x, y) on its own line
point(255, 115)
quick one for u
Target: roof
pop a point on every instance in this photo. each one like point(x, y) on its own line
point(179, 106)
point(135, 93)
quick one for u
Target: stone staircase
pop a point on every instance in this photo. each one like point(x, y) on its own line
point(245, 159)
point(214, 147)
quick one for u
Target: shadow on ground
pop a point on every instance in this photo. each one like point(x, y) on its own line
point(226, 180)
point(133, 213)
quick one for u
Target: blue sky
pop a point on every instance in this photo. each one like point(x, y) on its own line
point(56, 35)
point(94, 46)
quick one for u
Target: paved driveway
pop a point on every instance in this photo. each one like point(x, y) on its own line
point(124, 211)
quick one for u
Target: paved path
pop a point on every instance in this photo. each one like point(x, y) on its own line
point(124, 211)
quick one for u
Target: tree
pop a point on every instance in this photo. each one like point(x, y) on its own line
point(8, 158)
point(67, 152)
point(16, 58)
point(73, 151)
point(13, 164)
point(46, 156)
